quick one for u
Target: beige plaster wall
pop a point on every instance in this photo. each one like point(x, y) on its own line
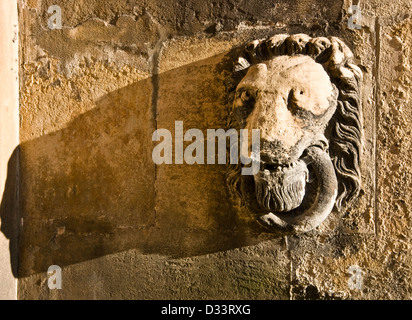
point(93, 202)
point(9, 140)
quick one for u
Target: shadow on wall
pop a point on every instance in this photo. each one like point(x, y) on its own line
point(92, 189)
point(9, 210)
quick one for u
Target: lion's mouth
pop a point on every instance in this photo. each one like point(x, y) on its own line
point(281, 187)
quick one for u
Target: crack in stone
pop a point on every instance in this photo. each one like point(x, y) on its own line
point(155, 62)
point(377, 105)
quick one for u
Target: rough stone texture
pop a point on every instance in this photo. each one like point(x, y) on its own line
point(93, 202)
point(385, 256)
point(394, 156)
point(97, 163)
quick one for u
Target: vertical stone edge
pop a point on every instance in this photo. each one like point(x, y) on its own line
point(9, 140)
point(377, 105)
point(155, 58)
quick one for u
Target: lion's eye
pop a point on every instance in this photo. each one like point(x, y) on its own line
point(296, 105)
point(293, 101)
point(245, 96)
point(244, 104)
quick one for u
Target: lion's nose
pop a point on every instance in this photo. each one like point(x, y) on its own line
point(269, 149)
point(272, 152)
point(278, 128)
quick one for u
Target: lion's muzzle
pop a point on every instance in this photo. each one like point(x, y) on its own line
point(281, 188)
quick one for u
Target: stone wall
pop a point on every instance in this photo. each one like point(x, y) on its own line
point(93, 202)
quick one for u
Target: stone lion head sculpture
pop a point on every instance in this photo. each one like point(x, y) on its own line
point(303, 94)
